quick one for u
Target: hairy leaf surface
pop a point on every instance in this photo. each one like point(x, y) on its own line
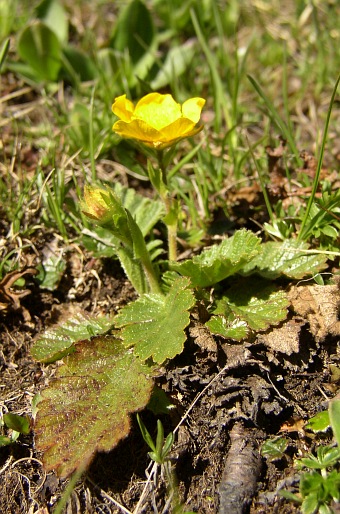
point(258, 303)
point(230, 329)
point(155, 323)
point(59, 341)
point(220, 261)
point(86, 408)
point(289, 259)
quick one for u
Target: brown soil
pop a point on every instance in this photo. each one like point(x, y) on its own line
point(247, 393)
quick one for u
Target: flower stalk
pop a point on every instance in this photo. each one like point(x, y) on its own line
point(159, 122)
point(170, 205)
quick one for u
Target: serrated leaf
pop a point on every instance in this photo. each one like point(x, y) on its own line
point(288, 258)
point(155, 324)
point(51, 271)
point(59, 341)
point(87, 407)
point(274, 449)
point(258, 303)
point(220, 261)
point(230, 329)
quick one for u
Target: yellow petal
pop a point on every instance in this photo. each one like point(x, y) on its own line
point(178, 129)
point(192, 109)
point(137, 129)
point(157, 110)
point(123, 108)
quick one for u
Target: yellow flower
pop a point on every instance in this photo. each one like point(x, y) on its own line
point(157, 120)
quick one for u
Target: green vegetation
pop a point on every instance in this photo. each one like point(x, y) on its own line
point(234, 212)
point(319, 482)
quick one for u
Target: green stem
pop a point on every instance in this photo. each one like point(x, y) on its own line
point(169, 208)
point(151, 275)
point(172, 242)
point(69, 489)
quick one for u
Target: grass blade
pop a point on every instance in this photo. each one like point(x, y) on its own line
point(277, 119)
point(320, 159)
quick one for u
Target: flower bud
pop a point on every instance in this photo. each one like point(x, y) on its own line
point(96, 204)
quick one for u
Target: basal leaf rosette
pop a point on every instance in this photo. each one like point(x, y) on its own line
point(157, 120)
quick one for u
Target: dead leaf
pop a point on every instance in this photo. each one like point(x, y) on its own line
point(319, 305)
point(203, 338)
point(293, 424)
point(285, 339)
point(42, 510)
point(279, 185)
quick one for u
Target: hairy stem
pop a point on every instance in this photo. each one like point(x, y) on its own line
point(151, 276)
point(169, 208)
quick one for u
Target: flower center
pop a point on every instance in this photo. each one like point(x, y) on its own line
point(158, 114)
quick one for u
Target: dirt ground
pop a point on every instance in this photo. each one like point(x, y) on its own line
point(238, 396)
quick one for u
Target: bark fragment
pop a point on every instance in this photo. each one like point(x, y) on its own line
point(242, 468)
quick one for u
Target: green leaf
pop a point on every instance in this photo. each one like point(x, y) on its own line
point(274, 449)
point(80, 63)
point(325, 509)
point(40, 48)
point(289, 496)
point(132, 269)
point(51, 271)
point(168, 443)
point(53, 14)
point(230, 329)
point(257, 302)
point(146, 434)
point(5, 441)
point(275, 116)
point(334, 417)
point(4, 51)
point(59, 341)
point(159, 402)
point(332, 485)
point(326, 456)
point(145, 211)
point(86, 408)
point(18, 423)
point(289, 259)
point(134, 30)
point(220, 261)
point(319, 423)
point(177, 61)
point(310, 503)
point(155, 323)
